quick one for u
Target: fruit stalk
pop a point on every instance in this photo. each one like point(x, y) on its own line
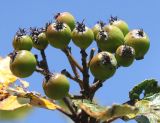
point(72, 60)
point(44, 60)
point(91, 55)
point(85, 72)
point(69, 103)
point(95, 86)
point(78, 80)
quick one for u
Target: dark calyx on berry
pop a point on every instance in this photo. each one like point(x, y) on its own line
point(106, 59)
point(80, 26)
point(34, 32)
point(112, 19)
point(103, 35)
point(57, 15)
point(59, 26)
point(20, 33)
point(101, 23)
point(140, 33)
point(47, 24)
point(127, 51)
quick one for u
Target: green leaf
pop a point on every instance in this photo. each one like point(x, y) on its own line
point(106, 113)
point(149, 109)
point(147, 87)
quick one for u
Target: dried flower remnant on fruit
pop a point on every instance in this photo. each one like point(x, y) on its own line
point(103, 35)
point(47, 24)
point(127, 51)
point(20, 33)
point(101, 23)
point(57, 15)
point(59, 26)
point(140, 33)
point(112, 19)
point(34, 32)
point(107, 59)
point(38, 35)
point(81, 26)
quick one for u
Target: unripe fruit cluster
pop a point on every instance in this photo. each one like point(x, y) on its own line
point(124, 44)
point(119, 46)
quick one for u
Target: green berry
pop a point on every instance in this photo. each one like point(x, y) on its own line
point(56, 86)
point(125, 55)
point(103, 65)
point(23, 63)
point(139, 40)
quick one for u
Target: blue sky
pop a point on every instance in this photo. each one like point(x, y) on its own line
point(35, 13)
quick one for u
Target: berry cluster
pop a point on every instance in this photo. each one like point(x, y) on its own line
point(118, 46)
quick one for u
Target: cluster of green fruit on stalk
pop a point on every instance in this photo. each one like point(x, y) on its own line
point(118, 46)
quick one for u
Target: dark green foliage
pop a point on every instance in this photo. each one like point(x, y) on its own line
point(147, 87)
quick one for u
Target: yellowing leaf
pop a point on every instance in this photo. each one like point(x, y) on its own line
point(13, 107)
point(41, 102)
point(1, 86)
point(6, 76)
point(34, 98)
point(13, 102)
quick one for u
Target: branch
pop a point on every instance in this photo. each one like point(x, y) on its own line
point(85, 72)
point(95, 86)
point(40, 70)
point(65, 113)
point(71, 59)
point(91, 55)
point(70, 105)
point(44, 60)
point(79, 81)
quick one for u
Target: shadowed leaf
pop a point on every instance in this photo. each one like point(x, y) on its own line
point(106, 113)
